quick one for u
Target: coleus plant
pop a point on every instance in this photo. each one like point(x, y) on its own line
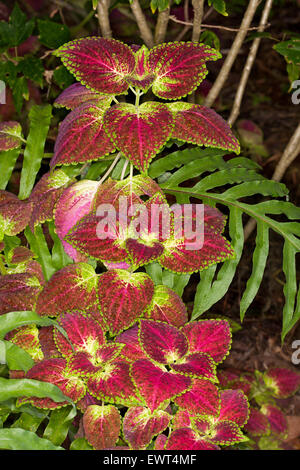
point(267, 426)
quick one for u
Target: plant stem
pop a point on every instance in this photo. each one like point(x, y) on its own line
point(103, 18)
point(145, 31)
point(198, 6)
point(110, 169)
point(237, 44)
point(248, 66)
point(161, 25)
point(124, 169)
point(85, 20)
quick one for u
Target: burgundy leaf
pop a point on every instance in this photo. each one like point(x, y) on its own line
point(198, 365)
point(45, 194)
point(160, 442)
point(141, 252)
point(187, 439)
point(226, 433)
point(10, 135)
point(168, 307)
point(234, 407)
point(123, 297)
point(14, 214)
point(20, 254)
point(81, 137)
point(179, 67)
point(132, 349)
point(70, 287)
point(283, 382)
point(100, 64)
point(155, 384)
point(276, 418)
point(202, 398)
point(182, 419)
point(27, 338)
point(257, 424)
point(202, 126)
point(77, 94)
point(101, 425)
point(140, 425)
point(162, 342)
point(47, 343)
point(18, 292)
point(86, 401)
point(210, 336)
point(139, 132)
point(141, 77)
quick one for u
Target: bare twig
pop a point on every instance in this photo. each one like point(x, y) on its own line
point(103, 18)
point(215, 26)
point(248, 66)
point(198, 6)
point(291, 151)
point(237, 44)
point(161, 25)
point(145, 31)
point(186, 21)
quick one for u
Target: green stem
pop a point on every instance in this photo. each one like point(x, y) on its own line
point(110, 169)
point(2, 267)
point(83, 22)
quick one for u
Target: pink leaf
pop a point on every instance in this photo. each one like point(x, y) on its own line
point(187, 439)
point(257, 424)
point(276, 418)
point(142, 77)
point(84, 333)
point(101, 425)
point(168, 307)
point(73, 204)
point(140, 425)
point(45, 195)
point(18, 292)
point(234, 407)
point(123, 297)
point(202, 398)
point(155, 384)
point(162, 342)
point(139, 132)
point(182, 419)
point(69, 287)
point(143, 252)
point(77, 94)
point(100, 64)
point(209, 336)
point(10, 135)
point(198, 365)
point(226, 433)
point(283, 382)
point(113, 384)
point(179, 67)
point(81, 137)
point(160, 442)
point(132, 349)
point(202, 126)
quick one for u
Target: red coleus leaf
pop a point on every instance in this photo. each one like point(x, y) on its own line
point(162, 342)
point(86, 401)
point(27, 338)
point(140, 425)
point(198, 365)
point(20, 254)
point(84, 333)
point(45, 194)
point(113, 384)
point(160, 442)
point(14, 214)
point(101, 425)
point(132, 349)
point(77, 94)
point(283, 382)
point(100, 64)
point(257, 424)
point(54, 371)
point(69, 287)
point(47, 343)
point(81, 137)
point(123, 297)
point(72, 205)
point(141, 77)
point(277, 419)
point(155, 384)
point(179, 257)
point(141, 252)
point(182, 419)
point(179, 67)
point(168, 307)
point(202, 398)
point(234, 407)
point(222, 433)
point(202, 126)
point(85, 364)
point(10, 134)
point(187, 439)
point(139, 132)
point(209, 336)
point(18, 292)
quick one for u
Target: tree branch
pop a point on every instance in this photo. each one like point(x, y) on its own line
point(103, 18)
point(145, 31)
point(161, 25)
point(237, 44)
point(198, 6)
point(248, 66)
